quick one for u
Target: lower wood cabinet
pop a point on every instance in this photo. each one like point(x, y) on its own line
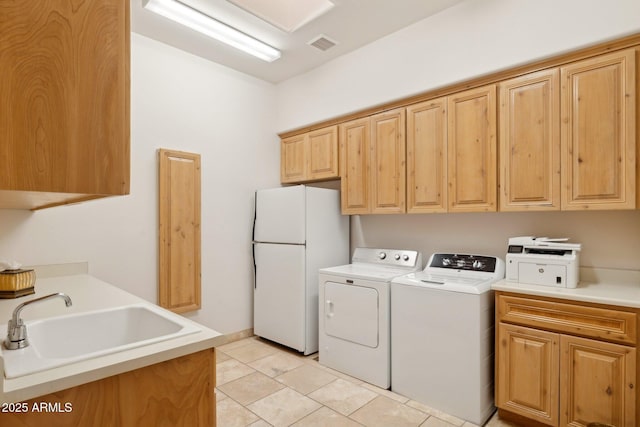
point(555, 377)
point(177, 392)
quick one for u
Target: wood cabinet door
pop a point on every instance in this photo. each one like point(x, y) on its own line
point(597, 383)
point(472, 150)
point(64, 100)
point(598, 132)
point(388, 157)
point(530, 142)
point(293, 155)
point(427, 157)
point(322, 152)
point(354, 137)
point(179, 276)
point(527, 362)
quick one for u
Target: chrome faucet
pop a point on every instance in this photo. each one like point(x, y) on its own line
point(17, 331)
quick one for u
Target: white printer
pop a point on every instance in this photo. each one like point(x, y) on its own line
point(543, 261)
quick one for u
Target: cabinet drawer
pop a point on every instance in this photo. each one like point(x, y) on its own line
point(602, 323)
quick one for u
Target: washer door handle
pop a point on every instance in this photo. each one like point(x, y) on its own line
point(328, 308)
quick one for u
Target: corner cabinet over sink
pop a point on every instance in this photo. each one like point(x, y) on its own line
point(64, 97)
point(564, 363)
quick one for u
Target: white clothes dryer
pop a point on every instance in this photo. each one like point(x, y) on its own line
point(443, 332)
point(354, 321)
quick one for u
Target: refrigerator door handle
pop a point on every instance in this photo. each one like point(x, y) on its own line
point(255, 268)
point(255, 215)
point(253, 239)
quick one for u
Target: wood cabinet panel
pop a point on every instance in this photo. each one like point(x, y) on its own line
point(606, 324)
point(595, 380)
point(323, 153)
point(598, 383)
point(355, 144)
point(472, 149)
point(64, 97)
point(312, 156)
point(598, 132)
point(388, 168)
point(427, 157)
point(530, 142)
point(180, 260)
point(293, 155)
point(178, 392)
point(527, 372)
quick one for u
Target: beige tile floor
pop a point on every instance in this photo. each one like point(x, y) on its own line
point(261, 384)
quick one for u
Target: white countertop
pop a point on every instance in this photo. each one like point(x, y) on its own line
point(600, 286)
point(89, 294)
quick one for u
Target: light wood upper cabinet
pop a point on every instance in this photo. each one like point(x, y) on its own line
point(388, 168)
point(311, 156)
point(472, 150)
point(598, 132)
point(355, 143)
point(427, 156)
point(293, 159)
point(530, 142)
point(64, 98)
point(372, 159)
point(323, 153)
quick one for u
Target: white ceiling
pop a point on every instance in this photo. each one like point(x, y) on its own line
point(352, 23)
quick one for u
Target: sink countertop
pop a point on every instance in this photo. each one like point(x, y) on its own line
point(600, 286)
point(89, 294)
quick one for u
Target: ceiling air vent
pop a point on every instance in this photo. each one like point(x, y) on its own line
point(322, 42)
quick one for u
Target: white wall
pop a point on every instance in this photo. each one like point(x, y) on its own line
point(473, 38)
point(470, 39)
point(182, 102)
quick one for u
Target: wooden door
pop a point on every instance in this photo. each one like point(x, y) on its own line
point(597, 383)
point(293, 155)
point(598, 132)
point(527, 362)
point(322, 153)
point(427, 156)
point(179, 253)
point(472, 150)
point(354, 166)
point(530, 142)
point(388, 157)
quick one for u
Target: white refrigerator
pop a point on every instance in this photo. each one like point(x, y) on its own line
point(296, 231)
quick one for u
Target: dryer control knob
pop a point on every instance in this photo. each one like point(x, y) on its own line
point(405, 257)
point(382, 255)
point(397, 257)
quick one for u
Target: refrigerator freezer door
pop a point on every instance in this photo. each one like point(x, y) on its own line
point(279, 295)
point(280, 215)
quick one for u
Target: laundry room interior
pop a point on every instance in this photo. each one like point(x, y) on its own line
point(169, 200)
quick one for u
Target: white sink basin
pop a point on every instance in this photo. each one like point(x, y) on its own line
point(71, 338)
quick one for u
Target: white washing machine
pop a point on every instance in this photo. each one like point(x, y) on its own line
point(354, 329)
point(442, 334)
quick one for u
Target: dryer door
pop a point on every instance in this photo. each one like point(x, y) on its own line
point(351, 313)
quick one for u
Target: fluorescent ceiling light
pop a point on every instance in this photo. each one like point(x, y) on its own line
point(194, 19)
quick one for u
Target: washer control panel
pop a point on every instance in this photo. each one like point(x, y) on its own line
point(464, 262)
